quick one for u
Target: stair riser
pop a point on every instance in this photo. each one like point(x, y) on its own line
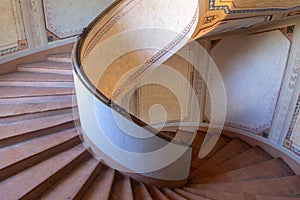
point(88, 183)
point(13, 140)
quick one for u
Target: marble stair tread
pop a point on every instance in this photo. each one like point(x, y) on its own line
point(220, 195)
point(28, 116)
point(38, 99)
point(269, 197)
point(46, 65)
point(249, 157)
point(189, 195)
point(35, 77)
point(62, 57)
point(16, 92)
point(121, 188)
point(216, 195)
point(285, 186)
point(231, 150)
point(30, 79)
point(102, 185)
point(32, 126)
point(32, 182)
point(259, 171)
point(22, 155)
point(14, 109)
point(156, 194)
point(75, 183)
point(170, 194)
point(222, 142)
point(140, 191)
point(41, 84)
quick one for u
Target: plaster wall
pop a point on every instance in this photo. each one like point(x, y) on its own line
point(30, 26)
point(252, 68)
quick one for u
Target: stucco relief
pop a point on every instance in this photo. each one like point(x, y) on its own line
point(37, 26)
point(66, 18)
point(14, 37)
point(292, 141)
point(283, 112)
point(251, 6)
point(251, 99)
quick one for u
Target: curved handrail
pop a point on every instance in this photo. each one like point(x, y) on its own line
point(77, 67)
point(106, 101)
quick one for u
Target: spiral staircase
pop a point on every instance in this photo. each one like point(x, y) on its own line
point(49, 138)
point(42, 157)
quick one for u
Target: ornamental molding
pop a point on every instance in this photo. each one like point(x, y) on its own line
point(280, 124)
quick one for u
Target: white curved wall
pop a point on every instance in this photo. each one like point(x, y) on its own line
point(132, 148)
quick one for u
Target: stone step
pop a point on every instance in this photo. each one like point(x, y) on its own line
point(216, 195)
point(231, 150)
point(121, 188)
point(269, 197)
point(62, 57)
point(250, 157)
point(28, 129)
point(156, 194)
point(102, 185)
point(36, 115)
point(32, 182)
point(140, 191)
point(14, 109)
point(38, 99)
point(17, 92)
point(222, 141)
point(29, 79)
point(172, 195)
point(35, 77)
point(41, 84)
point(220, 195)
point(259, 171)
point(189, 195)
point(22, 155)
point(74, 184)
point(47, 67)
point(285, 186)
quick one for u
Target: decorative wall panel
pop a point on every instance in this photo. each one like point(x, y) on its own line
point(13, 39)
point(252, 68)
point(161, 104)
point(292, 141)
point(67, 18)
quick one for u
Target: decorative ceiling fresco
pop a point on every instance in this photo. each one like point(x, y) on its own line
point(216, 16)
point(14, 37)
point(219, 16)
